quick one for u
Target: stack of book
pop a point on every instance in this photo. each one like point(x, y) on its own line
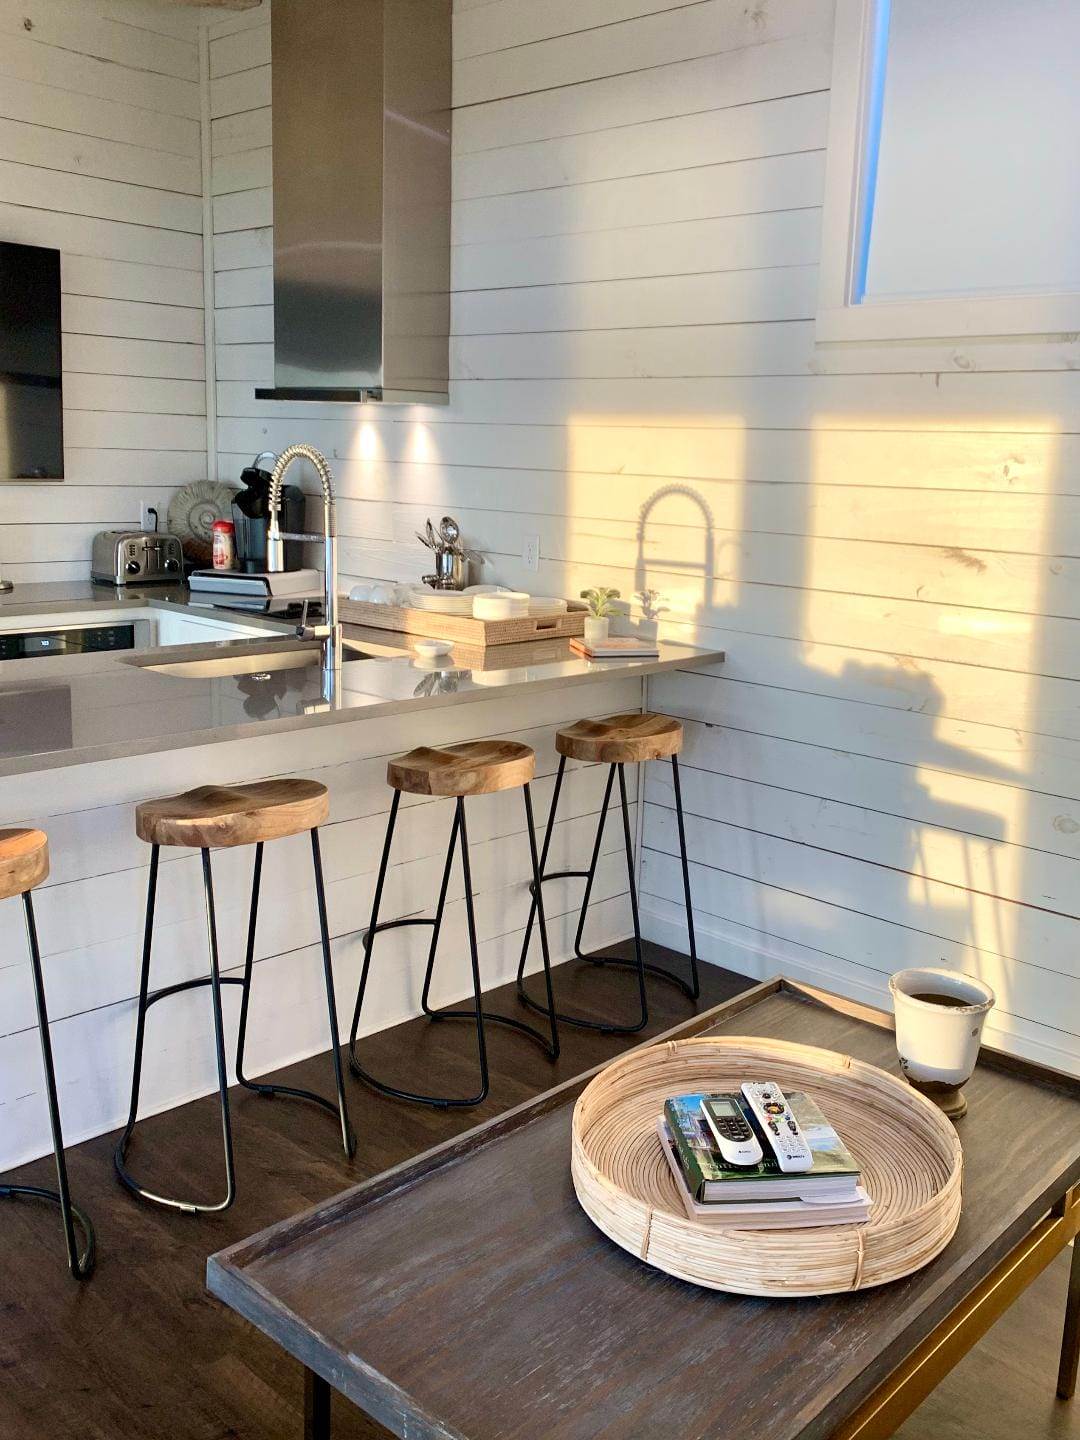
point(762, 1196)
point(616, 647)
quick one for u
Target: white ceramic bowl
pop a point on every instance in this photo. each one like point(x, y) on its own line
point(431, 648)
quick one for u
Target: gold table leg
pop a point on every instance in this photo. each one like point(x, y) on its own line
point(1070, 1340)
point(883, 1412)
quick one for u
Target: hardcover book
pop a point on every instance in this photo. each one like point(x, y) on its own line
point(616, 647)
point(767, 1213)
point(710, 1180)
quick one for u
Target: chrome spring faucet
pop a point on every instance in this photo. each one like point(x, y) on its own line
point(330, 630)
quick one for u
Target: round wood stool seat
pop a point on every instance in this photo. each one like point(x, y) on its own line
point(218, 816)
point(476, 767)
point(621, 739)
point(24, 861)
point(222, 817)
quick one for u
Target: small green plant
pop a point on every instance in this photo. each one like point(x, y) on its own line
point(599, 600)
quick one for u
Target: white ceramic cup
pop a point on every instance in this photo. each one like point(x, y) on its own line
point(938, 1043)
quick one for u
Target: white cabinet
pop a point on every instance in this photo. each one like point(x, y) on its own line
point(176, 629)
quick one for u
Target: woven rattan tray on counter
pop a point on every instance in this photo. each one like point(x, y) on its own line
point(908, 1151)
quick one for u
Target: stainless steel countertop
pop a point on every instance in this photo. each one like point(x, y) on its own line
point(68, 710)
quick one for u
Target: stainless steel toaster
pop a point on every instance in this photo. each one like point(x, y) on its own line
point(136, 557)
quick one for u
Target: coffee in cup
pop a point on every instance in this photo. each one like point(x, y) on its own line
point(939, 1021)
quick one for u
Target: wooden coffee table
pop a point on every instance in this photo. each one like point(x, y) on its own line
point(466, 1296)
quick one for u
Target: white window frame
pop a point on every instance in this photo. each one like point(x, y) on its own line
point(842, 313)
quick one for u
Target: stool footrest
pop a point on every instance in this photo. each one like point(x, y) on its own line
point(373, 930)
point(84, 1264)
point(198, 983)
point(625, 963)
point(293, 1092)
point(488, 1015)
point(558, 875)
point(604, 1027)
point(437, 1102)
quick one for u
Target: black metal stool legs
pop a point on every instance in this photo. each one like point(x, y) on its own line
point(477, 1015)
point(694, 989)
point(215, 981)
point(338, 1108)
point(80, 1263)
point(638, 964)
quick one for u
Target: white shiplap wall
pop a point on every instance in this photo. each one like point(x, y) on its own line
point(884, 538)
point(100, 157)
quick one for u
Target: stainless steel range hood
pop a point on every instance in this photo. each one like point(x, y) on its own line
point(361, 135)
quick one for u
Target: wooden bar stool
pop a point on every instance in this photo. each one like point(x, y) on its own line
point(476, 767)
point(221, 817)
point(24, 863)
point(617, 741)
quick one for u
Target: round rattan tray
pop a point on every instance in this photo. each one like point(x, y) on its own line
point(908, 1152)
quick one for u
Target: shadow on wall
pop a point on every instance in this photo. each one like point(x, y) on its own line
point(892, 709)
point(884, 769)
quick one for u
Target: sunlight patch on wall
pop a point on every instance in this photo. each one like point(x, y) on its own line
point(640, 513)
point(917, 594)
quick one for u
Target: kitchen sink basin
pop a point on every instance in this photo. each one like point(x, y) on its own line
point(241, 660)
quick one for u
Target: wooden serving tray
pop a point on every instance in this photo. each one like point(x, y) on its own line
point(908, 1152)
point(464, 628)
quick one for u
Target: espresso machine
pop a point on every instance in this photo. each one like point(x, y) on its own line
point(251, 517)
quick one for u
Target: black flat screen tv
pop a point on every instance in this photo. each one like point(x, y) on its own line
point(31, 379)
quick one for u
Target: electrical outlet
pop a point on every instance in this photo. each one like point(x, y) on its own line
point(148, 516)
point(530, 552)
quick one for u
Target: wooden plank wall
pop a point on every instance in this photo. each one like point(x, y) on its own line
point(883, 538)
point(90, 910)
point(100, 157)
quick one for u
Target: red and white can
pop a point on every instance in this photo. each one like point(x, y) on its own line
point(224, 544)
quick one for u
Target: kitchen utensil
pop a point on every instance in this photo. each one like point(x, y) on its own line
point(423, 539)
point(433, 544)
point(450, 532)
point(136, 557)
point(192, 512)
point(451, 571)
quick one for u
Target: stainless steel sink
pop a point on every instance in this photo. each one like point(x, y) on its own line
point(242, 660)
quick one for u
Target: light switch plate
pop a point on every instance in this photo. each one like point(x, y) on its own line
point(530, 552)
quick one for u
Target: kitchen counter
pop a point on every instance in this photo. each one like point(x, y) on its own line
point(65, 710)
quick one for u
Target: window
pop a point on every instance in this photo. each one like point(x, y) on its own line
point(952, 202)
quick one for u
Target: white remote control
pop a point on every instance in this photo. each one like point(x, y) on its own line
point(773, 1114)
point(737, 1143)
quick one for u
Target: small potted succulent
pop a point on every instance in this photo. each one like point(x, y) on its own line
point(599, 600)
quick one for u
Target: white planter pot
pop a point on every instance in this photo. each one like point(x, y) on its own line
point(938, 1043)
point(596, 631)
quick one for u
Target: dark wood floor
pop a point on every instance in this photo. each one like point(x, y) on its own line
point(143, 1353)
